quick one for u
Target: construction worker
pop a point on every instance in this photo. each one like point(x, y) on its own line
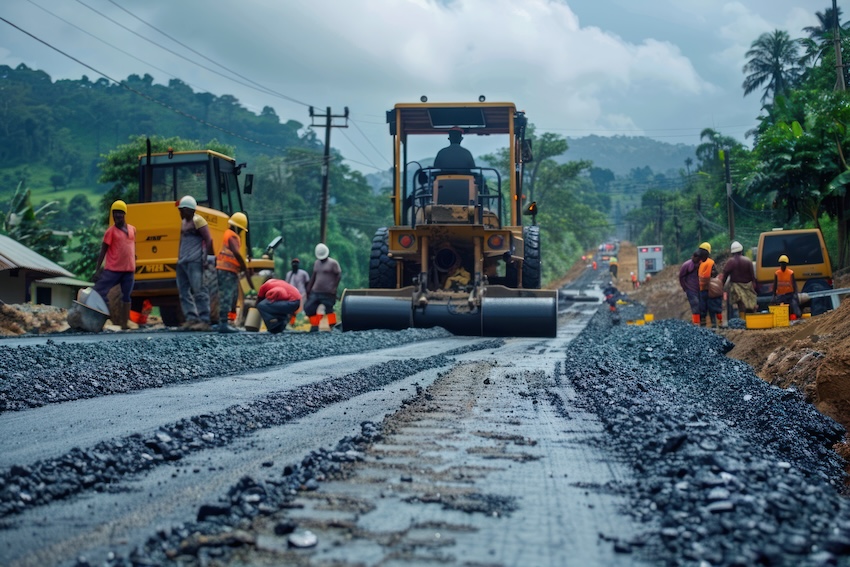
point(119, 250)
point(322, 288)
point(785, 288)
point(195, 245)
point(229, 264)
point(613, 266)
point(277, 303)
point(689, 282)
point(298, 278)
point(634, 280)
point(454, 156)
point(739, 270)
point(710, 307)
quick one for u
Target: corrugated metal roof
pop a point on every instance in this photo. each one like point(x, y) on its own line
point(17, 256)
point(63, 280)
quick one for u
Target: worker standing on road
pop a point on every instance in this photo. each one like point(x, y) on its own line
point(277, 302)
point(298, 278)
point(322, 288)
point(613, 266)
point(785, 288)
point(739, 270)
point(119, 250)
point(710, 306)
point(229, 264)
point(689, 281)
point(195, 245)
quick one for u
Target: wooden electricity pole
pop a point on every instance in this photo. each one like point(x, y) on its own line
point(836, 38)
point(326, 162)
point(730, 204)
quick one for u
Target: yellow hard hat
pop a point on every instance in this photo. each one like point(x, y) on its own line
point(240, 220)
point(783, 258)
point(118, 205)
point(706, 246)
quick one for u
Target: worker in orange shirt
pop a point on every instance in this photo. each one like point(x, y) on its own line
point(229, 264)
point(710, 306)
point(785, 288)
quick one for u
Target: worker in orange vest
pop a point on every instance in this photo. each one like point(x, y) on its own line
point(229, 264)
point(634, 280)
point(785, 288)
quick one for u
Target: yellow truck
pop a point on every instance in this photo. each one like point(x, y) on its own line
point(213, 180)
point(809, 260)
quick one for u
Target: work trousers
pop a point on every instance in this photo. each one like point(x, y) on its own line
point(194, 298)
point(276, 314)
point(228, 290)
point(109, 279)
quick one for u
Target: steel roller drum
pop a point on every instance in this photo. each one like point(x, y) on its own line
point(535, 314)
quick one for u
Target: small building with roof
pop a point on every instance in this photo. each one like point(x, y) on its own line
point(28, 277)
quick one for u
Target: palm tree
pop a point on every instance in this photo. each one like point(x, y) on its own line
point(773, 63)
point(826, 20)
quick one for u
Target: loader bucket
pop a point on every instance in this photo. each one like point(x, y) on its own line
point(504, 312)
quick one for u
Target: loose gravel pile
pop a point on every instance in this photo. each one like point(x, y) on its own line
point(33, 376)
point(731, 470)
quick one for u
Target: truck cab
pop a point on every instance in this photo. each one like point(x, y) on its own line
point(809, 260)
point(212, 179)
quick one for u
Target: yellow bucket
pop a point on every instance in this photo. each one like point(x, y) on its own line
point(648, 317)
point(639, 322)
point(760, 320)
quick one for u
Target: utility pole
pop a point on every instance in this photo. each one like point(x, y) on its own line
point(730, 205)
point(326, 162)
point(839, 66)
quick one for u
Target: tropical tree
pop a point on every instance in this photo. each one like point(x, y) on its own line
point(773, 65)
point(29, 225)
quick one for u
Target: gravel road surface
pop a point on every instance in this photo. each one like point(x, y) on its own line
point(608, 445)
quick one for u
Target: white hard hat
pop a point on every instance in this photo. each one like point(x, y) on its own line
point(736, 247)
point(187, 202)
point(322, 251)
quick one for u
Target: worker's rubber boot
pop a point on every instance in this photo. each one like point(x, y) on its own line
point(314, 328)
point(223, 327)
point(695, 318)
point(125, 315)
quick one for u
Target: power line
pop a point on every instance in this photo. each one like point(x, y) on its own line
point(379, 152)
point(148, 97)
point(263, 87)
point(127, 53)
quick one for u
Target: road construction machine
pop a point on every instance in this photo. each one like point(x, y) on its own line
point(164, 178)
point(458, 255)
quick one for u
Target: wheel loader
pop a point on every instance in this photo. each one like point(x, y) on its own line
point(212, 179)
point(458, 256)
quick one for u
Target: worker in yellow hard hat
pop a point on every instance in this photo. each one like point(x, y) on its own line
point(118, 248)
point(229, 264)
point(785, 288)
point(711, 304)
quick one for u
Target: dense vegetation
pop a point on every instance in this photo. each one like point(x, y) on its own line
point(796, 173)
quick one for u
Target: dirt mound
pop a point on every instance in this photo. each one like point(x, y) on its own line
point(31, 319)
point(812, 356)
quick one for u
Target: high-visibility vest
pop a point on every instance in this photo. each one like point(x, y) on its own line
point(783, 282)
point(705, 273)
point(226, 260)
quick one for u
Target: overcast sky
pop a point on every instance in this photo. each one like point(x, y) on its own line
point(666, 69)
